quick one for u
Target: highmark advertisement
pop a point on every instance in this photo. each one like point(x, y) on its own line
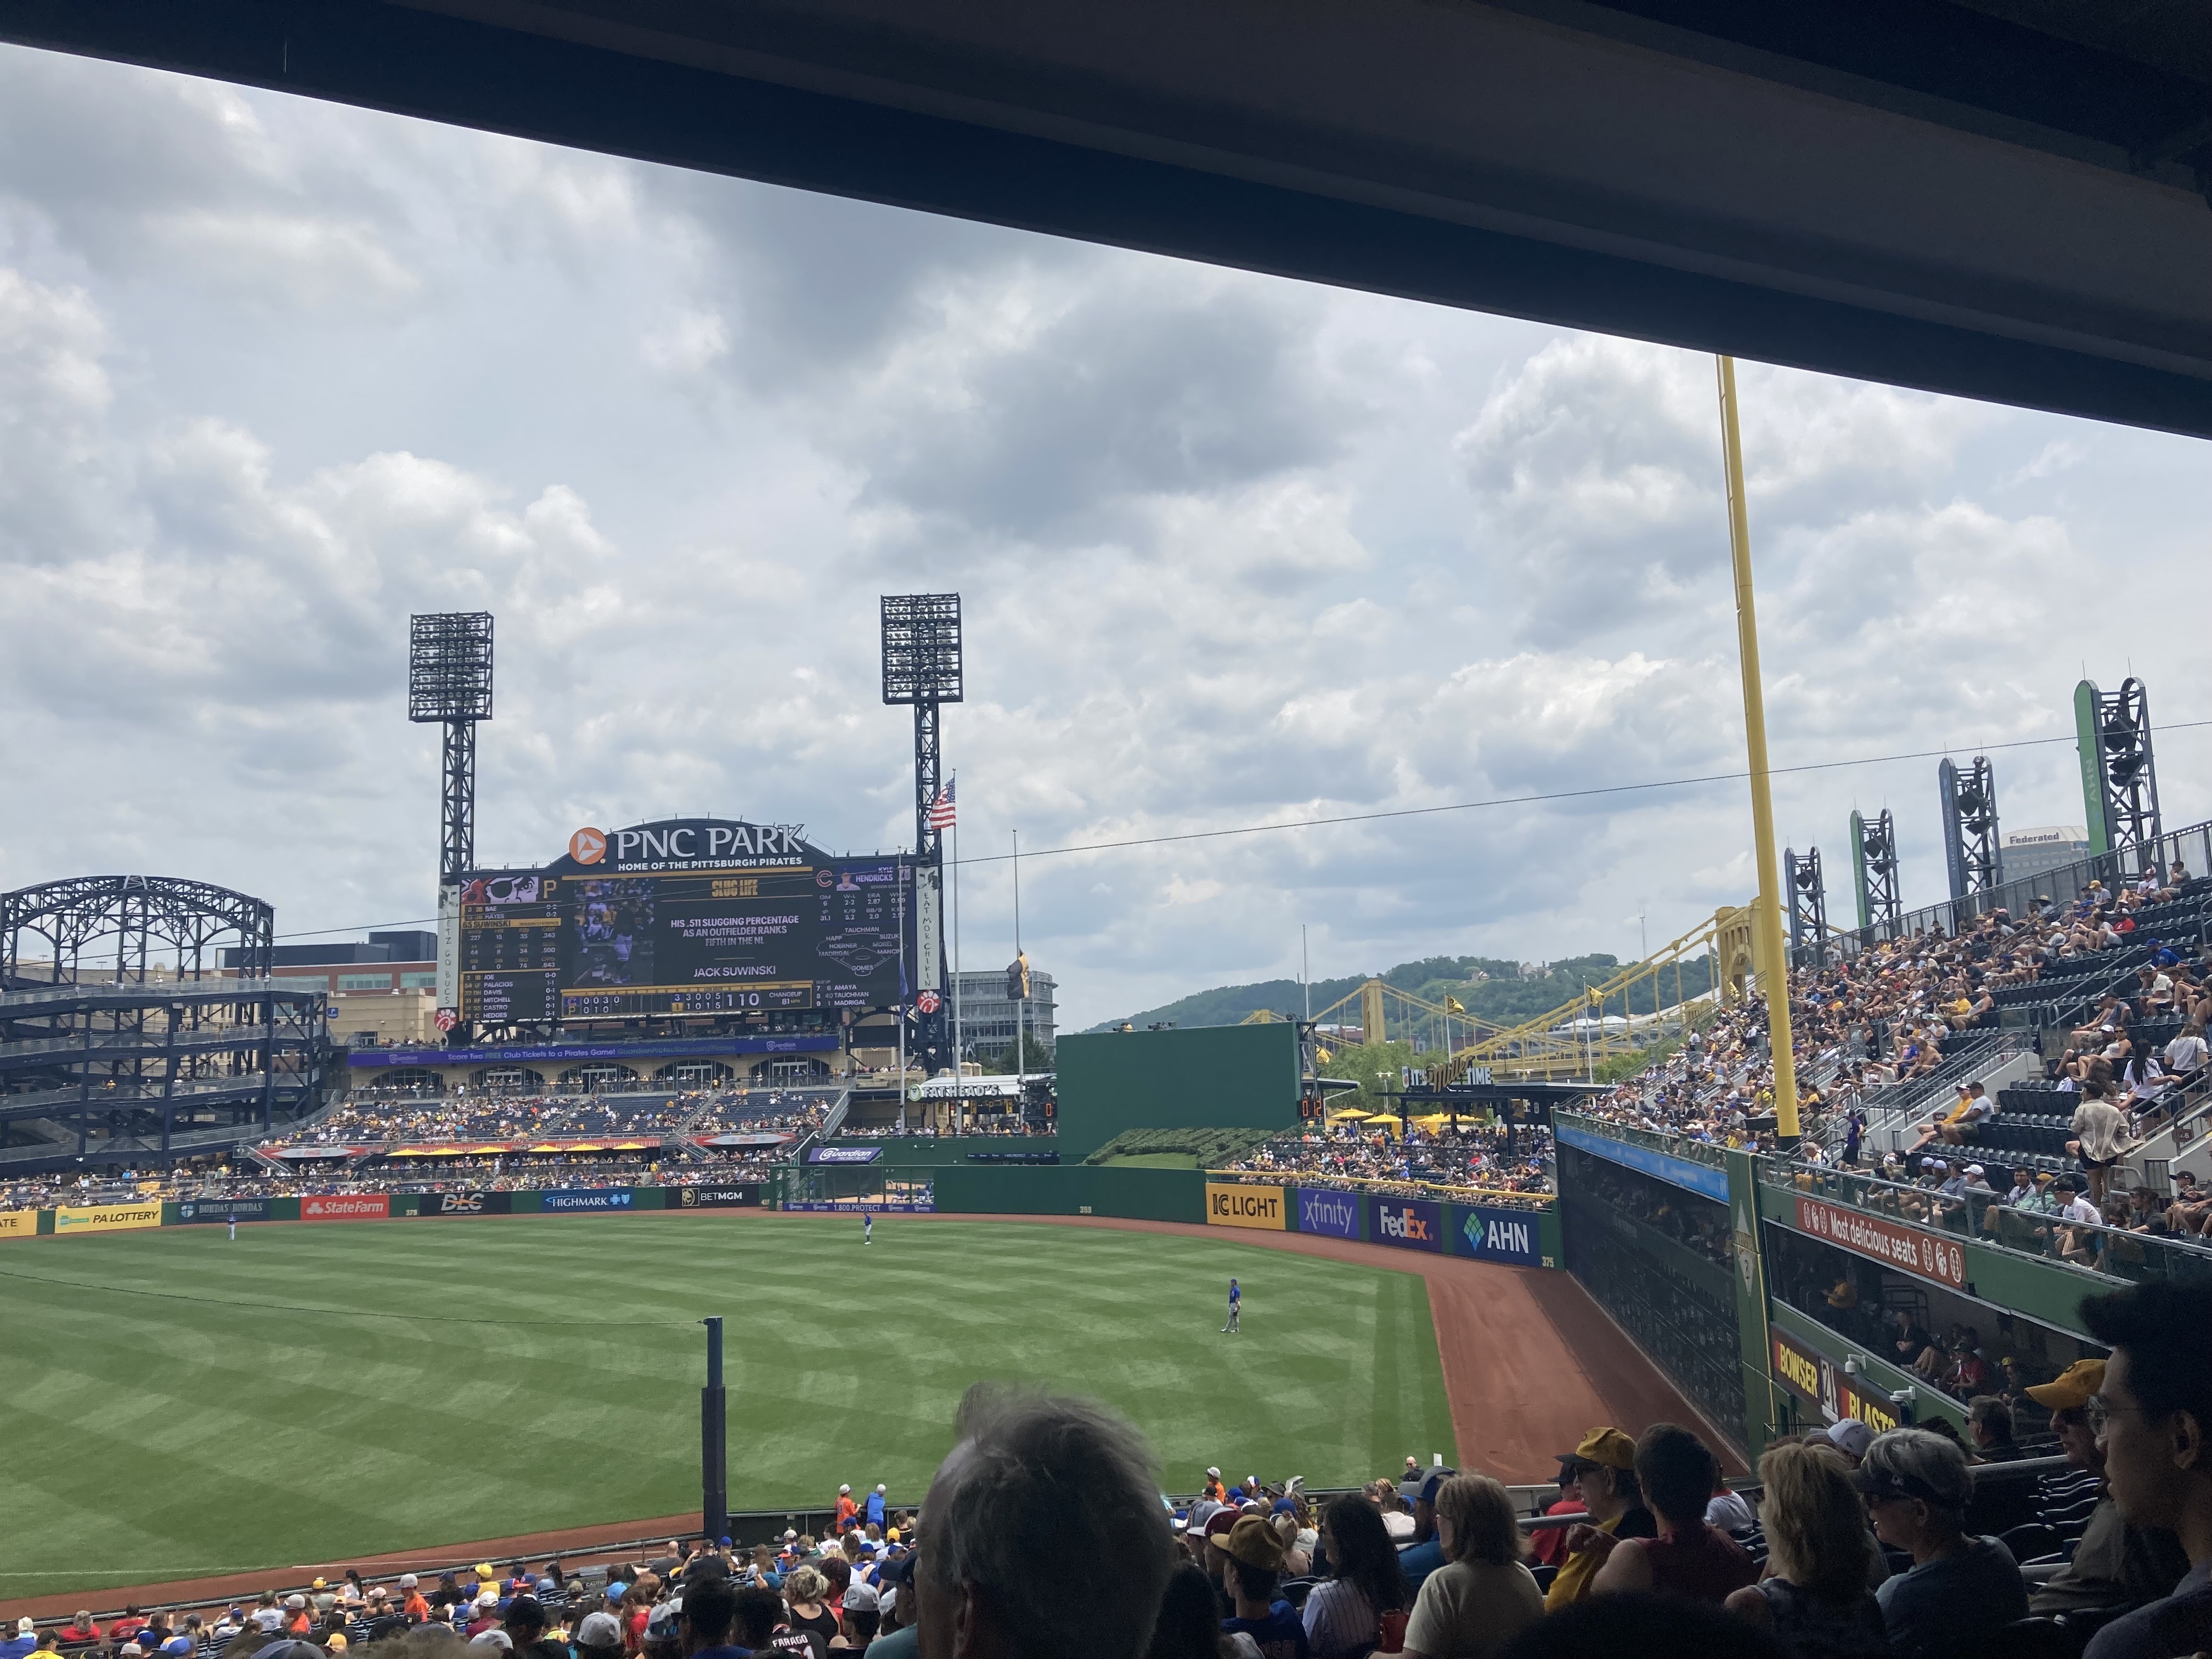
point(585, 1197)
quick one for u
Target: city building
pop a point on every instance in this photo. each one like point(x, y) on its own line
point(2031, 851)
point(387, 962)
point(987, 1014)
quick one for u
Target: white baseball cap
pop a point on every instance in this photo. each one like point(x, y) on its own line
point(1212, 1474)
point(844, 1492)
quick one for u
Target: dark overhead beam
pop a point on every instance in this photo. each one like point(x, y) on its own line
point(930, 152)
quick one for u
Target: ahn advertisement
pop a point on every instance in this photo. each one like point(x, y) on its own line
point(585, 1197)
point(477, 1201)
point(1230, 1204)
point(1411, 1224)
point(348, 1207)
point(111, 1218)
point(199, 1211)
point(1332, 1214)
point(1507, 1236)
point(712, 1197)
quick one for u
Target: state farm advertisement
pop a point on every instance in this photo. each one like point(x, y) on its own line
point(350, 1207)
point(1930, 1256)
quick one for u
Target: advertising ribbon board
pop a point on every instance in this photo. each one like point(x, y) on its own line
point(19, 1224)
point(1230, 1205)
point(350, 1207)
point(1411, 1224)
point(119, 1218)
point(1929, 1255)
point(1333, 1215)
point(712, 1197)
point(1508, 1235)
point(585, 1197)
point(1817, 1381)
point(843, 1154)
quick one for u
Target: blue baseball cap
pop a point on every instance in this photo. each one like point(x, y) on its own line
point(615, 1590)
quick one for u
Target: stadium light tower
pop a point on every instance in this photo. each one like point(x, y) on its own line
point(1969, 801)
point(1808, 907)
point(923, 667)
point(1873, 861)
point(2119, 775)
point(449, 685)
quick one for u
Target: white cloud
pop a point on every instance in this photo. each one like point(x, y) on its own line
point(274, 374)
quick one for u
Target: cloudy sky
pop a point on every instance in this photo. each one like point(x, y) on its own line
point(274, 374)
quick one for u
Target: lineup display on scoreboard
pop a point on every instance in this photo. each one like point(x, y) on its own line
point(690, 918)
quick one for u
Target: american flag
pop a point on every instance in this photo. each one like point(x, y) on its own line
point(941, 815)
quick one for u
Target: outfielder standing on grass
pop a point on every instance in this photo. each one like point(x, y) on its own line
point(1235, 1327)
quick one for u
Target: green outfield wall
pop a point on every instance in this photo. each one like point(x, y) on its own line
point(1072, 1189)
point(1224, 1077)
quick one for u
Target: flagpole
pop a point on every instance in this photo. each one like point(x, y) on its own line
point(959, 1043)
point(1021, 1059)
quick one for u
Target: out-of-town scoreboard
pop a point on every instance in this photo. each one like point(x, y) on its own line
point(685, 918)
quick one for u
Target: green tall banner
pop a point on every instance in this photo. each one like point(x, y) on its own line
point(2086, 739)
point(1761, 1408)
point(1858, 870)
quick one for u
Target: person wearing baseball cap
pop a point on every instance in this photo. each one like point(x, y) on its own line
point(2114, 1565)
point(1603, 1468)
point(1428, 1554)
point(1214, 1488)
point(1252, 1568)
point(1851, 1437)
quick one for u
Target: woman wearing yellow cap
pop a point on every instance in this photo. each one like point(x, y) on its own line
point(1605, 1467)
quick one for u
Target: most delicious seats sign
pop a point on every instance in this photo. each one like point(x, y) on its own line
point(1928, 1254)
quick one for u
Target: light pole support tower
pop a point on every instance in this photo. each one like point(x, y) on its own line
point(923, 667)
point(449, 662)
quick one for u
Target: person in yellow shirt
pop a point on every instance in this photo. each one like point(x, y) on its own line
point(1604, 1467)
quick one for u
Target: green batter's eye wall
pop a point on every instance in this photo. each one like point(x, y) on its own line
point(1227, 1077)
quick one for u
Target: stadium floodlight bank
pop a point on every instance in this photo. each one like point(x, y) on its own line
point(449, 662)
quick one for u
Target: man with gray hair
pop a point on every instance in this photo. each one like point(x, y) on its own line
point(1043, 1536)
point(1961, 1591)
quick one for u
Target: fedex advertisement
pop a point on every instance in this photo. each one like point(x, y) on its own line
point(351, 1206)
point(1413, 1223)
point(1336, 1215)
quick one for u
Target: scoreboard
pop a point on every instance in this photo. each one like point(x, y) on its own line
point(753, 919)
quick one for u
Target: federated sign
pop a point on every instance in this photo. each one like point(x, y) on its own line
point(1909, 1249)
point(1333, 1215)
point(1413, 1223)
point(19, 1224)
point(349, 1206)
point(117, 1219)
point(1508, 1235)
point(1230, 1205)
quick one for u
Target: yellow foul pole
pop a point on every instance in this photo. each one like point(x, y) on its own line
point(1766, 909)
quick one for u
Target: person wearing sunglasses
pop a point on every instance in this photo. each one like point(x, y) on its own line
point(1962, 1590)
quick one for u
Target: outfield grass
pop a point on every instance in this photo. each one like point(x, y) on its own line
point(243, 1418)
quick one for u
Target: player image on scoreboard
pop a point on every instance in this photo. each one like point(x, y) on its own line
point(614, 935)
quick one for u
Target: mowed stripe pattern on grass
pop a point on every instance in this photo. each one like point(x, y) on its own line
point(149, 1438)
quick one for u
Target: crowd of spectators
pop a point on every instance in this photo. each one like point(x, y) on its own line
point(1496, 1160)
point(570, 1116)
point(1893, 1014)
